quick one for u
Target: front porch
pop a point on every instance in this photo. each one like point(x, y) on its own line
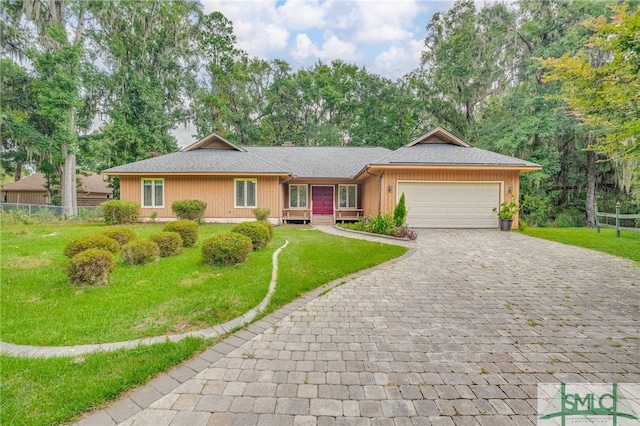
point(320, 203)
point(307, 216)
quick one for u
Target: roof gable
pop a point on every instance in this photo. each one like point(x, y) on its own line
point(439, 135)
point(213, 141)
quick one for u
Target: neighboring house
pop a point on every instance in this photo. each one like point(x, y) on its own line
point(446, 182)
point(92, 190)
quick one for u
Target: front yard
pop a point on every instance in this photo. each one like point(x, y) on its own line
point(628, 245)
point(173, 295)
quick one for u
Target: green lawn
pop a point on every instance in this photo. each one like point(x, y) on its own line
point(628, 245)
point(175, 294)
point(56, 390)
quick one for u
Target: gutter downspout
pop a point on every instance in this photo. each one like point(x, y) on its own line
point(379, 187)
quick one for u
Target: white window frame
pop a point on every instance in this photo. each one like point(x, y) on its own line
point(235, 193)
point(347, 206)
point(153, 204)
point(306, 198)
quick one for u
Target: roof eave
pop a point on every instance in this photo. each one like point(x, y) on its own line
point(156, 173)
point(521, 167)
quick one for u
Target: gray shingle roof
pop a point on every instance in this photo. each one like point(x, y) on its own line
point(201, 161)
point(315, 162)
point(321, 161)
point(447, 154)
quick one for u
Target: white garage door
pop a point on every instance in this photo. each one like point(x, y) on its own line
point(451, 204)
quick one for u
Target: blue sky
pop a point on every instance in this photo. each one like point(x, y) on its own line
point(386, 36)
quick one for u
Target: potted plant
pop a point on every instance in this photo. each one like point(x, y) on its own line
point(506, 212)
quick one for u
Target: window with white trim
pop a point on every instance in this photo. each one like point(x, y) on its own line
point(298, 196)
point(347, 196)
point(152, 192)
point(245, 192)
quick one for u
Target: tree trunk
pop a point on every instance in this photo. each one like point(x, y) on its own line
point(67, 186)
point(591, 188)
point(18, 175)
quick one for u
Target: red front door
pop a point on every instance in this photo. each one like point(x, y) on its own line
point(322, 199)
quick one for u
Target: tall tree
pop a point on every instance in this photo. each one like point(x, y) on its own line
point(466, 60)
point(22, 142)
point(601, 83)
point(218, 54)
point(60, 30)
point(147, 50)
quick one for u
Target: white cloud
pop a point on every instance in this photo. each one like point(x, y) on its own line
point(397, 61)
point(377, 34)
point(331, 49)
point(304, 48)
point(302, 14)
point(385, 21)
point(255, 23)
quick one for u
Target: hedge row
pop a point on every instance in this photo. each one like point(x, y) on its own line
point(92, 256)
point(89, 264)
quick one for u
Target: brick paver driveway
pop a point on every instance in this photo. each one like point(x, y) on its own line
point(459, 331)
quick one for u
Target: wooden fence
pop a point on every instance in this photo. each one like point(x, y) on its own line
point(618, 217)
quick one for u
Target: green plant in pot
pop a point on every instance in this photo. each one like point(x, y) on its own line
point(506, 212)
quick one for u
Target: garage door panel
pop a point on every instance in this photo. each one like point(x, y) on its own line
point(451, 204)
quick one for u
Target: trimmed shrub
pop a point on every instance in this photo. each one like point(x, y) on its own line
point(262, 215)
point(91, 267)
point(117, 212)
point(256, 231)
point(268, 227)
point(189, 209)
point(226, 249)
point(400, 212)
point(100, 241)
point(187, 229)
point(169, 243)
point(139, 252)
point(121, 234)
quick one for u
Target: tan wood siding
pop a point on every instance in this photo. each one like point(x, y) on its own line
point(510, 178)
point(216, 191)
point(40, 198)
point(27, 197)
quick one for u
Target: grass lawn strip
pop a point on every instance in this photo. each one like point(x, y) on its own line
point(627, 246)
point(27, 351)
point(56, 390)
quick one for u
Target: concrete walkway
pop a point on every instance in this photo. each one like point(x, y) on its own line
point(457, 332)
